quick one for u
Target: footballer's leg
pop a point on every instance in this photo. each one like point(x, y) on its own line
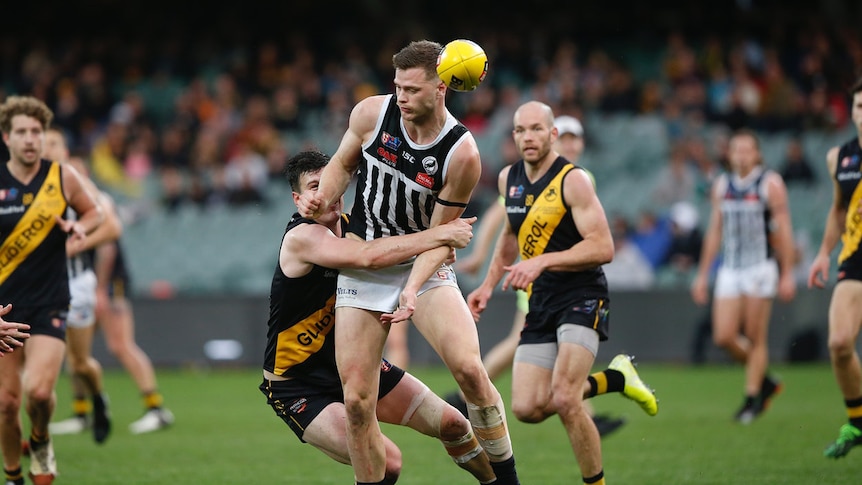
point(411, 403)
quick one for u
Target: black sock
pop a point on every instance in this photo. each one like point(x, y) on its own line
point(854, 408)
point(14, 475)
point(594, 478)
point(505, 472)
point(606, 381)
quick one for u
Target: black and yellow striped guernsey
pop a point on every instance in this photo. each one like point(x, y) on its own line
point(848, 173)
point(300, 343)
point(540, 217)
point(33, 248)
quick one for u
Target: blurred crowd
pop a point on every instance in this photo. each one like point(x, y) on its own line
point(171, 122)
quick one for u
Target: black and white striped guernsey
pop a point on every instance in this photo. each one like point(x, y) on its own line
point(398, 180)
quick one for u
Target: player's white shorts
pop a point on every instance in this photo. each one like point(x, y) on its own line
point(378, 290)
point(82, 309)
point(760, 281)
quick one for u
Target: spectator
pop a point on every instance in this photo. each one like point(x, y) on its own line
point(797, 169)
point(630, 269)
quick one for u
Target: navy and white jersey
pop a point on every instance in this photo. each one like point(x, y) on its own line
point(398, 180)
point(83, 261)
point(745, 219)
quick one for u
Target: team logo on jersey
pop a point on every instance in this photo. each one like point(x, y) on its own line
point(430, 165)
point(516, 192)
point(8, 194)
point(389, 141)
point(51, 189)
point(551, 194)
point(850, 161)
point(27, 199)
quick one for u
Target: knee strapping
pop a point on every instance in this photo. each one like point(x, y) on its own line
point(463, 449)
point(426, 413)
point(490, 427)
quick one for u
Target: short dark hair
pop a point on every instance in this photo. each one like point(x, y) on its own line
point(419, 53)
point(302, 163)
point(24, 105)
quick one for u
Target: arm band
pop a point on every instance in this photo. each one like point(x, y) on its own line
point(450, 204)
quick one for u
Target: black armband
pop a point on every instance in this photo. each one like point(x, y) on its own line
point(450, 204)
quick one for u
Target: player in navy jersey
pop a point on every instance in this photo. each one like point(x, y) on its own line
point(35, 234)
point(557, 226)
point(844, 223)
point(301, 380)
point(750, 224)
point(416, 168)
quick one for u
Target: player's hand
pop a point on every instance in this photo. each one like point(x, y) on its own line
point(460, 231)
point(787, 287)
point(406, 307)
point(522, 274)
point(818, 275)
point(699, 293)
point(477, 301)
point(12, 334)
point(72, 228)
point(309, 204)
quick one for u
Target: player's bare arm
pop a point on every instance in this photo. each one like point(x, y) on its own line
point(338, 172)
point(596, 248)
point(782, 234)
point(316, 244)
point(90, 214)
point(818, 274)
point(109, 230)
point(709, 250)
point(465, 167)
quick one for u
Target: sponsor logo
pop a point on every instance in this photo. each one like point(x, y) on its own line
point(535, 235)
point(299, 405)
point(844, 176)
point(529, 200)
point(314, 330)
point(424, 180)
point(551, 194)
point(385, 366)
point(515, 210)
point(515, 192)
point(14, 248)
point(587, 307)
point(408, 156)
point(17, 209)
point(430, 165)
point(330, 273)
point(28, 198)
point(389, 141)
point(347, 291)
point(387, 157)
point(443, 275)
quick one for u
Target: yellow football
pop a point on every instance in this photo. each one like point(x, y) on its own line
point(462, 65)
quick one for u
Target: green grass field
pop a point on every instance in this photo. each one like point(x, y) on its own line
point(226, 434)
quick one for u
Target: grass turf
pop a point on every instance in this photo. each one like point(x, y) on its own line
point(225, 434)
